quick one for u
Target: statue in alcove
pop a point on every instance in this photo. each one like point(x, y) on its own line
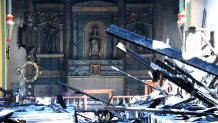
point(51, 38)
point(95, 43)
point(141, 29)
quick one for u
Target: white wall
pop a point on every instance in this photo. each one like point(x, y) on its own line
point(212, 19)
point(197, 12)
point(211, 7)
point(17, 56)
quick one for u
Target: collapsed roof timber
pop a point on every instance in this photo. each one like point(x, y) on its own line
point(202, 102)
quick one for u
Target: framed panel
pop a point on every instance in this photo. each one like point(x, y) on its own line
point(95, 70)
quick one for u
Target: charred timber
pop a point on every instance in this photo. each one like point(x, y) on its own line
point(93, 97)
point(162, 111)
point(179, 81)
point(82, 92)
point(161, 48)
point(141, 81)
point(181, 71)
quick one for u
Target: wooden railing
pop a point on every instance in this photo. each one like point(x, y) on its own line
point(125, 99)
point(100, 91)
point(84, 102)
point(81, 102)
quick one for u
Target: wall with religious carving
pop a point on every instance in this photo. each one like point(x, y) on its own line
point(85, 16)
point(71, 45)
point(95, 40)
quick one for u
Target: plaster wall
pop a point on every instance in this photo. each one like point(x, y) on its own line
point(211, 7)
point(17, 56)
point(212, 19)
point(170, 30)
point(198, 7)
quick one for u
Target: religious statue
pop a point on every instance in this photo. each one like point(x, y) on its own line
point(142, 30)
point(51, 37)
point(95, 43)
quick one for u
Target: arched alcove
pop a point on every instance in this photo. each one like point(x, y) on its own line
point(95, 43)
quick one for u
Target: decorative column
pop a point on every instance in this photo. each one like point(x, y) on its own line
point(121, 22)
point(3, 62)
point(158, 20)
point(114, 20)
point(67, 33)
point(75, 36)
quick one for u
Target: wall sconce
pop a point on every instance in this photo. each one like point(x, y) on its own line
point(8, 52)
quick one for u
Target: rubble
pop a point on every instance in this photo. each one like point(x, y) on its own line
point(199, 105)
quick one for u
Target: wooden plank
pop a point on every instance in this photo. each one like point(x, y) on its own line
point(82, 92)
point(162, 111)
point(184, 84)
point(100, 91)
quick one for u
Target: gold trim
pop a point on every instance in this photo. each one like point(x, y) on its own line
point(5, 45)
point(23, 72)
point(1, 44)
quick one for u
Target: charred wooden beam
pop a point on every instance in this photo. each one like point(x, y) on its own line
point(181, 71)
point(179, 81)
point(93, 97)
point(166, 67)
point(82, 92)
point(161, 48)
point(141, 81)
point(162, 111)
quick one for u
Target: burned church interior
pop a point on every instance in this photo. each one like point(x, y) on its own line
point(112, 61)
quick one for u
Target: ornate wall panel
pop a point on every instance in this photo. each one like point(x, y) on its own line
point(50, 34)
point(86, 15)
point(49, 20)
point(140, 20)
point(50, 51)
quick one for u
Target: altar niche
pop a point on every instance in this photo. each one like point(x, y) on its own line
point(50, 33)
point(94, 40)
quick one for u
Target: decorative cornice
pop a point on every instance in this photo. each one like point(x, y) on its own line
point(94, 3)
point(49, 16)
point(94, 9)
point(39, 6)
